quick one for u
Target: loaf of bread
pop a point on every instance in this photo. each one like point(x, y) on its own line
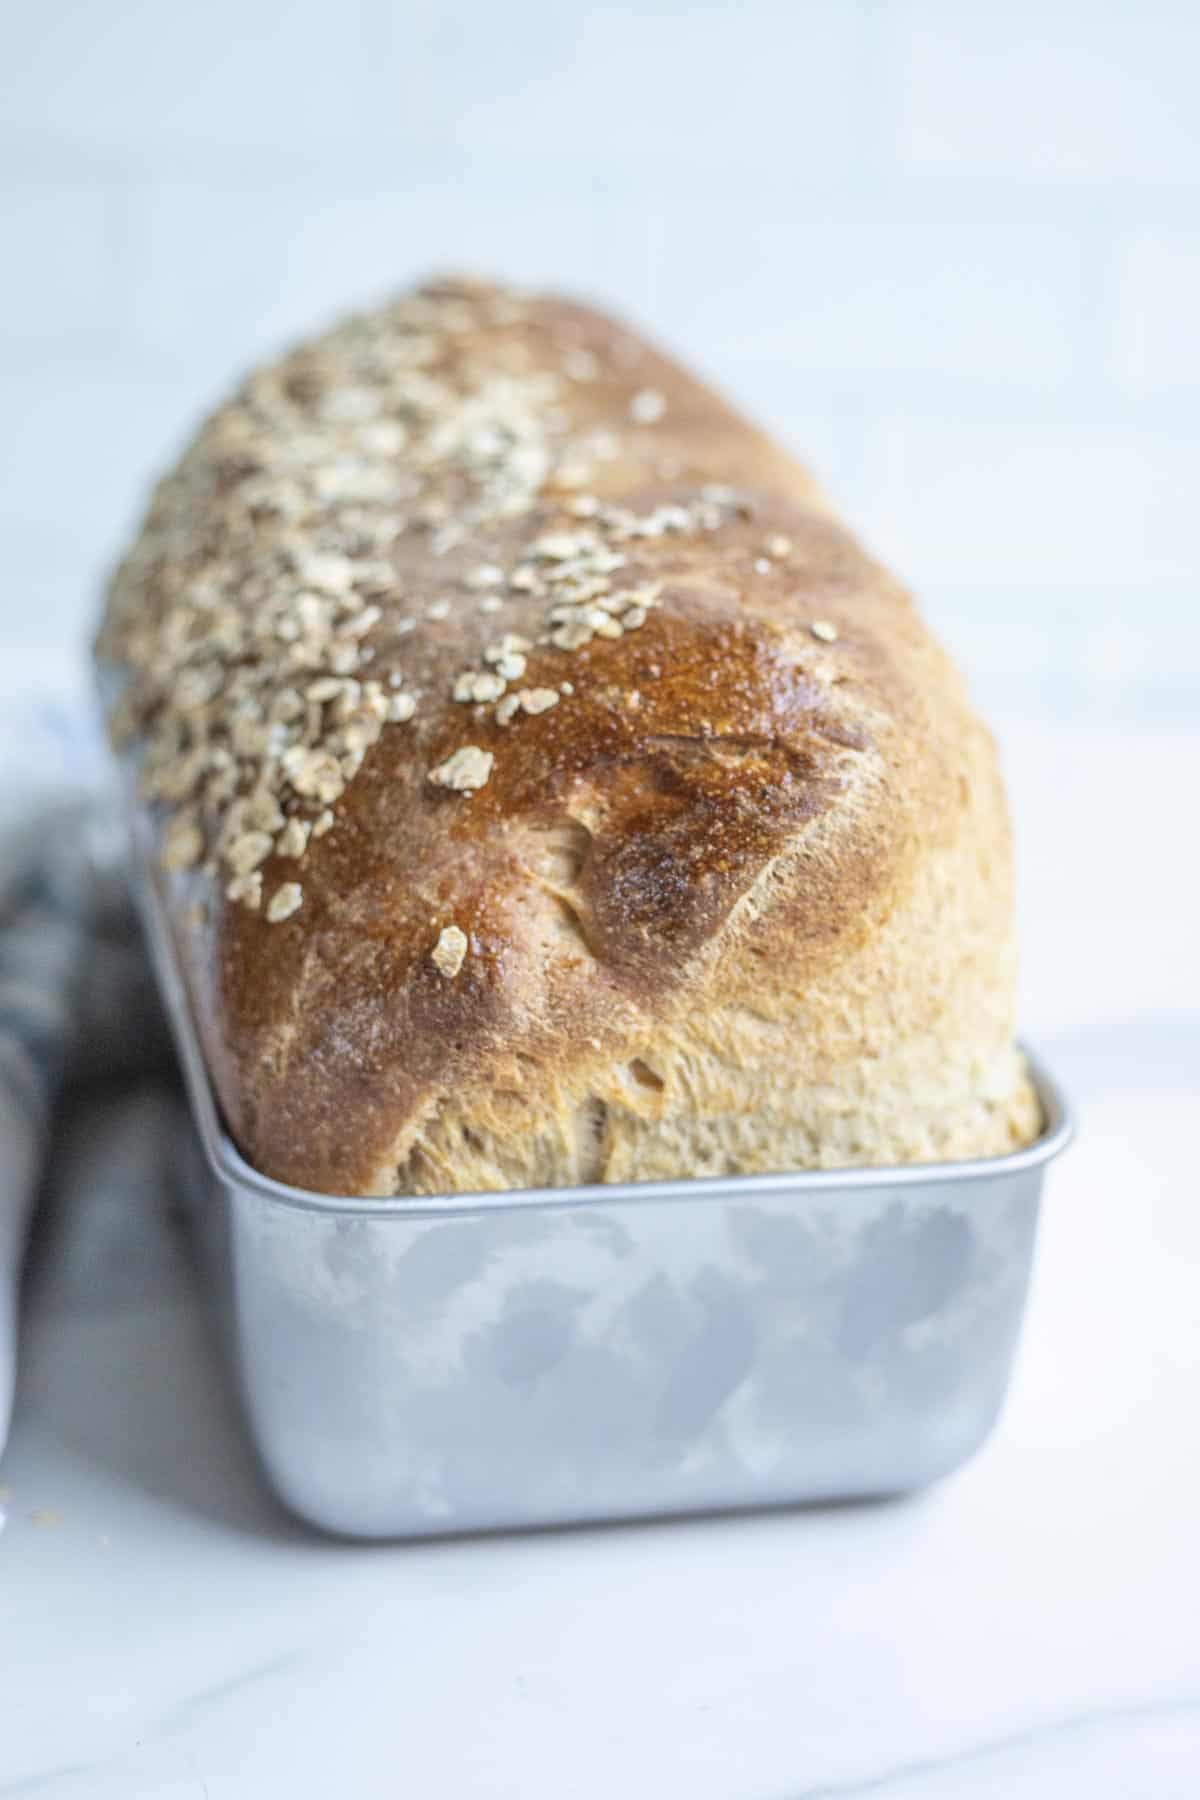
point(550, 790)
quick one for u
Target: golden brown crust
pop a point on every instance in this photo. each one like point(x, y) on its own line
point(716, 846)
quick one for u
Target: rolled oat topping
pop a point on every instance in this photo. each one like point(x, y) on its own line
point(258, 619)
point(183, 843)
point(247, 889)
point(449, 953)
point(293, 839)
point(537, 700)
point(466, 770)
point(286, 900)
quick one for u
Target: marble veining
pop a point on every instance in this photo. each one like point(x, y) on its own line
point(997, 1748)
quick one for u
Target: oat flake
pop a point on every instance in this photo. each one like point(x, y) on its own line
point(468, 769)
point(449, 953)
point(286, 900)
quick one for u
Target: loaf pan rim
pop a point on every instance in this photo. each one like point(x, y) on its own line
point(230, 1166)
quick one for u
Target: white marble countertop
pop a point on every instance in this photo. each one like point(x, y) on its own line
point(1031, 1628)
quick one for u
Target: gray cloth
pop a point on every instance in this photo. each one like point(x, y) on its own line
point(78, 1007)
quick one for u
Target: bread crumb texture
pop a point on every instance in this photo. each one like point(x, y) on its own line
point(479, 606)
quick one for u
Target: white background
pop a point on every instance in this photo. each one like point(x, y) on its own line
point(952, 253)
point(950, 250)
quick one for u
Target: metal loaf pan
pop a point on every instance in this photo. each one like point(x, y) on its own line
point(427, 1366)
